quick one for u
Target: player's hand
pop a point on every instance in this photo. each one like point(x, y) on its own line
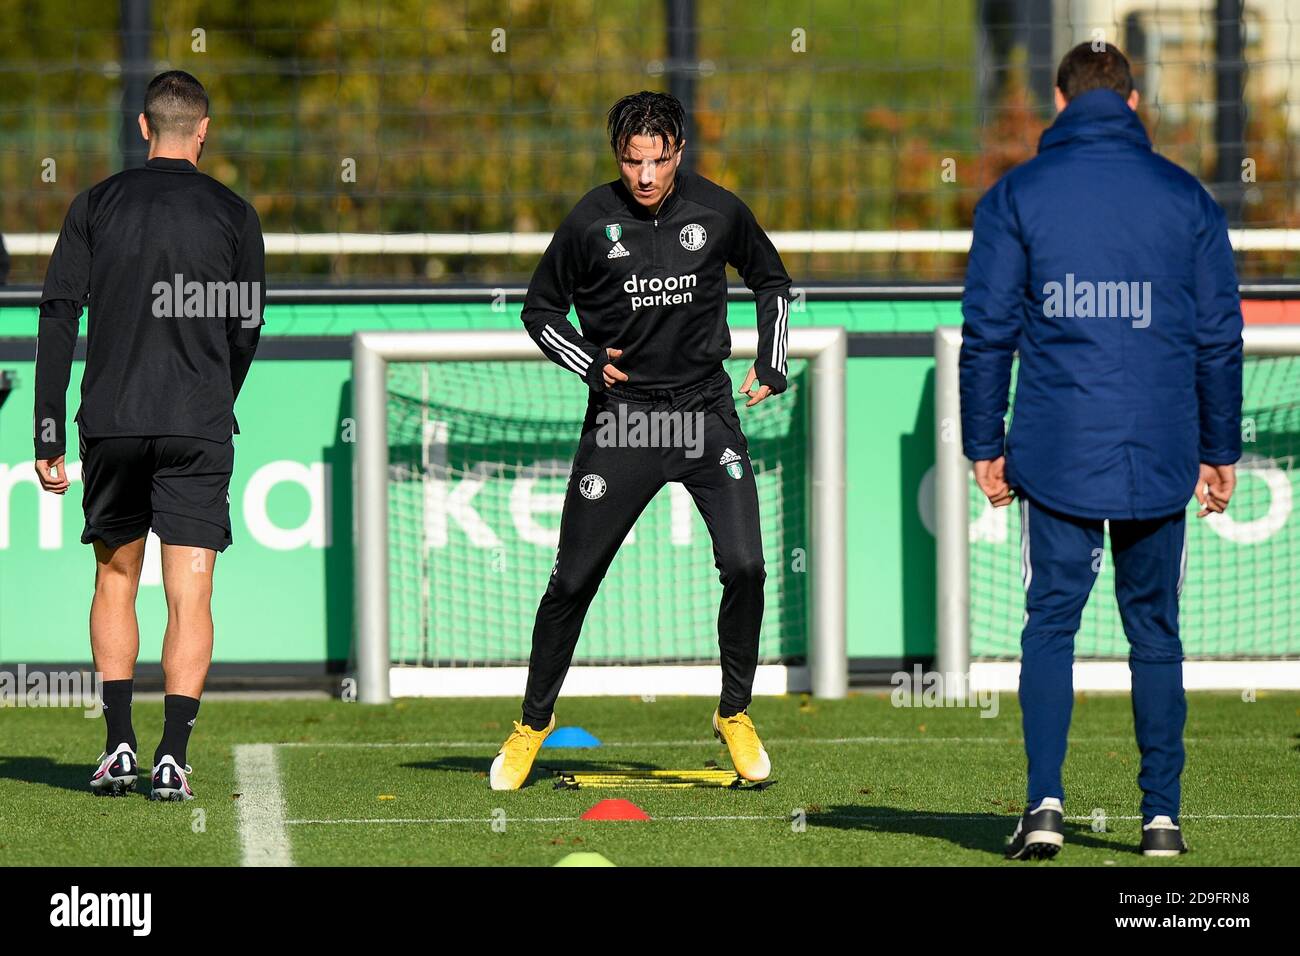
point(612, 375)
point(991, 476)
point(53, 474)
point(1214, 488)
point(756, 395)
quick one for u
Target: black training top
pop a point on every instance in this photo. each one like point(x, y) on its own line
point(172, 265)
point(655, 286)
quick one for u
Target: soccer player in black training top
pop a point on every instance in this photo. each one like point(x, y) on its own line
point(171, 262)
point(644, 261)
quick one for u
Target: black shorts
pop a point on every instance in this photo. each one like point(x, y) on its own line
point(176, 485)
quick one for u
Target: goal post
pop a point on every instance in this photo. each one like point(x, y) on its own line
point(1241, 599)
point(480, 666)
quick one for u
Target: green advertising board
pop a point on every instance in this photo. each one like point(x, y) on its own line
point(283, 591)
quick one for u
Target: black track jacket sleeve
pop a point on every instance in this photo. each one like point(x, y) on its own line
point(760, 266)
point(242, 334)
point(546, 307)
point(67, 284)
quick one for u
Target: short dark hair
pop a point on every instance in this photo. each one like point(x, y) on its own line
point(646, 114)
point(174, 103)
point(1085, 68)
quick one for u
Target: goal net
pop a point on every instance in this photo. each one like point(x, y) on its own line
point(477, 452)
point(1240, 601)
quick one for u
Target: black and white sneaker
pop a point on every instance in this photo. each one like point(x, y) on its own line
point(1040, 833)
point(1162, 837)
point(115, 776)
point(171, 781)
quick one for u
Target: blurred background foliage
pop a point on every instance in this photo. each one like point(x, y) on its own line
point(828, 115)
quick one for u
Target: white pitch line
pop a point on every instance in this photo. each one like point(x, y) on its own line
point(262, 836)
point(433, 820)
point(1205, 816)
point(791, 741)
point(696, 742)
point(945, 817)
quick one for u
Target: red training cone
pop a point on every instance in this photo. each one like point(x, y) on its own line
point(615, 810)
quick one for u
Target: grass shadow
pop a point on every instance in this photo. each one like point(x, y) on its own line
point(543, 774)
point(982, 832)
point(43, 770)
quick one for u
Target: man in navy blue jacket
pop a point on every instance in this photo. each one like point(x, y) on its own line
point(1109, 269)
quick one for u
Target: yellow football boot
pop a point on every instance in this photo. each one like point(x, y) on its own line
point(515, 758)
point(747, 753)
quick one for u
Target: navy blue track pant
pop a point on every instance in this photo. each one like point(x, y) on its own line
point(1060, 557)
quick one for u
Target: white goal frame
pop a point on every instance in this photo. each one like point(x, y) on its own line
point(952, 553)
point(378, 681)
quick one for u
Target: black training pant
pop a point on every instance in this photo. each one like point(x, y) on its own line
point(609, 487)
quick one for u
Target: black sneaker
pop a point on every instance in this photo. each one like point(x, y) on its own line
point(115, 775)
point(1039, 834)
point(1162, 837)
point(171, 781)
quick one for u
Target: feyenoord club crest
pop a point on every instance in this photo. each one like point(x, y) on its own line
point(731, 461)
point(612, 232)
point(591, 486)
point(693, 237)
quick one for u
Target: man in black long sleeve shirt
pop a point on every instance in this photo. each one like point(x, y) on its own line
point(643, 259)
point(171, 263)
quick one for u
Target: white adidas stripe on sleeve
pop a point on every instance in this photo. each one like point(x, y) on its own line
point(779, 345)
point(568, 353)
